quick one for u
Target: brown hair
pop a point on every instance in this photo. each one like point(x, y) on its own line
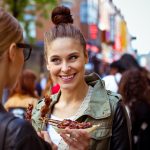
point(63, 20)
point(135, 86)
point(10, 31)
point(25, 84)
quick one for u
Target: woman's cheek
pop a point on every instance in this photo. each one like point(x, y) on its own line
point(54, 71)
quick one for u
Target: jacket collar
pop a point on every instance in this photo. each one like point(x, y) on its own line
point(99, 98)
point(99, 101)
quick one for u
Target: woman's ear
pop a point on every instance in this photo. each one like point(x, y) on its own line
point(86, 57)
point(48, 67)
point(12, 51)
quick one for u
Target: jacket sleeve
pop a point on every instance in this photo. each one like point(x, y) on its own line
point(34, 143)
point(22, 136)
point(121, 132)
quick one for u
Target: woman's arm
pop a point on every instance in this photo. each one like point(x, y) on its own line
point(121, 130)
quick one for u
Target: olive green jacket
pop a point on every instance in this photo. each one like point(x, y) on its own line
point(101, 110)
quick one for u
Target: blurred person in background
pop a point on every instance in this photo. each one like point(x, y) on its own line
point(126, 62)
point(112, 80)
point(43, 81)
point(135, 90)
point(22, 94)
point(103, 69)
point(38, 86)
point(80, 99)
point(15, 133)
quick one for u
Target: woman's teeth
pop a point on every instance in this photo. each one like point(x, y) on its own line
point(67, 77)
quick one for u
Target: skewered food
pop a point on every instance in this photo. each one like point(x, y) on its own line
point(58, 125)
point(28, 114)
point(74, 124)
point(45, 108)
point(66, 123)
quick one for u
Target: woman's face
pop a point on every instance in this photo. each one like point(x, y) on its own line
point(15, 66)
point(65, 61)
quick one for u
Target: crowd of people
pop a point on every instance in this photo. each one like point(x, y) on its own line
point(132, 81)
point(120, 101)
point(22, 94)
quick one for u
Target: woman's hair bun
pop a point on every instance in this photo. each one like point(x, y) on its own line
point(61, 14)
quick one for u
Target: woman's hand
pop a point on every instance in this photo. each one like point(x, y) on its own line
point(77, 139)
point(45, 136)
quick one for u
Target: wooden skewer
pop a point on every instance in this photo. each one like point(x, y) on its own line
point(51, 121)
point(54, 121)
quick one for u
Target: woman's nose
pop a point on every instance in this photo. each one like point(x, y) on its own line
point(65, 67)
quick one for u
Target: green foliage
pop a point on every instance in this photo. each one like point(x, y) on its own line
point(26, 11)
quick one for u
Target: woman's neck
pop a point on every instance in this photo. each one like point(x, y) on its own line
point(70, 101)
point(73, 96)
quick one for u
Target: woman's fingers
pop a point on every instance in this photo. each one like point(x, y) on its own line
point(40, 134)
point(70, 141)
point(46, 137)
point(76, 138)
point(77, 133)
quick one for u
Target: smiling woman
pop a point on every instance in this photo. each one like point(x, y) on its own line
point(66, 63)
point(82, 99)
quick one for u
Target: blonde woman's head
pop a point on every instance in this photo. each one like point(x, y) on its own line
point(10, 31)
point(11, 57)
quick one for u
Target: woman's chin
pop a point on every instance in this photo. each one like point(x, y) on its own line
point(67, 87)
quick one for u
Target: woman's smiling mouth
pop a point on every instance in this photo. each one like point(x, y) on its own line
point(67, 78)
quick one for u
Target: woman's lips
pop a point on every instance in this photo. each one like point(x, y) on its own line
point(67, 78)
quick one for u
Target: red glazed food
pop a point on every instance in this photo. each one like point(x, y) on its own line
point(28, 114)
point(45, 108)
point(73, 124)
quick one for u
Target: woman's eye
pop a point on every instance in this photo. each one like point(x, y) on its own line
point(73, 57)
point(56, 61)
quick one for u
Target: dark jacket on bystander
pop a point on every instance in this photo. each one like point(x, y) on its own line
point(18, 134)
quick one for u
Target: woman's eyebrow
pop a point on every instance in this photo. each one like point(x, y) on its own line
point(57, 56)
point(74, 53)
point(54, 56)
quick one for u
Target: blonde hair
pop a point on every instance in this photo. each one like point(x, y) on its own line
point(10, 31)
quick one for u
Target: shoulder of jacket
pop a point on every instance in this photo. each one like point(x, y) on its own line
point(21, 130)
point(19, 125)
point(114, 96)
point(40, 103)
